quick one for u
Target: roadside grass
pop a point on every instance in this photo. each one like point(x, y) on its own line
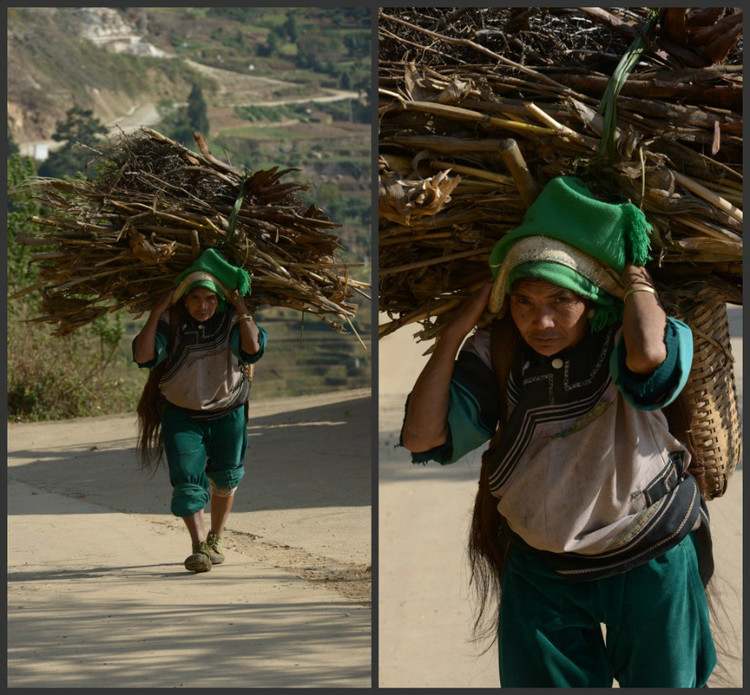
point(52, 378)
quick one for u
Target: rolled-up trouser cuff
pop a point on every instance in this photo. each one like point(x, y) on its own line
point(188, 498)
point(226, 479)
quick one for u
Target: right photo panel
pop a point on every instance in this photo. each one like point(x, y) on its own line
point(560, 347)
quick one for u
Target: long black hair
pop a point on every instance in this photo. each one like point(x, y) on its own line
point(150, 447)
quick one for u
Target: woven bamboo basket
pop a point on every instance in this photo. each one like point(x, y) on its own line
point(711, 391)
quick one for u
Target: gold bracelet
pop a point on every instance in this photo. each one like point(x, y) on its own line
point(638, 288)
point(246, 317)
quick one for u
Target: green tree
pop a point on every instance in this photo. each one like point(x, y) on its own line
point(291, 27)
point(79, 125)
point(21, 207)
point(177, 127)
point(197, 110)
point(271, 46)
point(182, 123)
point(357, 45)
point(80, 132)
point(316, 52)
point(12, 146)
point(52, 378)
point(345, 80)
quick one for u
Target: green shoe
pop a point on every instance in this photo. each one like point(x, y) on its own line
point(200, 560)
point(213, 541)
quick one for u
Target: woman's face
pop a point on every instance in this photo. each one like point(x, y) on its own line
point(549, 318)
point(201, 303)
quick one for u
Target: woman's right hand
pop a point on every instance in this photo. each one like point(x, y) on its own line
point(470, 312)
point(144, 346)
point(426, 420)
point(162, 303)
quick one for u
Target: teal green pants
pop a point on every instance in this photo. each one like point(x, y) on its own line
point(656, 618)
point(199, 451)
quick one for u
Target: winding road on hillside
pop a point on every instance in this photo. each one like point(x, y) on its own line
point(235, 89)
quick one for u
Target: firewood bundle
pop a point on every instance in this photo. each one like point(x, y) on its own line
point(480, 107)
point(117, 239)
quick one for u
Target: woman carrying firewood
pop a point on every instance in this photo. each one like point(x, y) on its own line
point(194, 405)
point(589, 511)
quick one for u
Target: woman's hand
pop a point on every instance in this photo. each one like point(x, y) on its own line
point(162, 303)
point(644, 322)
point(235, 299)
point(470, 312)
point(249, 333)
point(426, 421)
point(144, 345)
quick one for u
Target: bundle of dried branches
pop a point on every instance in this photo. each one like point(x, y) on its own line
point(118, 239)
point(480, 107)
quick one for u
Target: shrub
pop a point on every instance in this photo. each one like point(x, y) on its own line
point(53, 378)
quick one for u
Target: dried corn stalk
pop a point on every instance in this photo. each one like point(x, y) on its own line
point(499, 101)
point(507, 99)
point(118, 239)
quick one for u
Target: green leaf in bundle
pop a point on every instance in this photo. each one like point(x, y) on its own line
point(235, 211)
point(608, 104)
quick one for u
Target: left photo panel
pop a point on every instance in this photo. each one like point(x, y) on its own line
point(189, 347)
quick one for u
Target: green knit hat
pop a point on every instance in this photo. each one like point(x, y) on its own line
point(571, 239)
point(212, 271)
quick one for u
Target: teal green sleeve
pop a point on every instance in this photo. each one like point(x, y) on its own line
point(464, 423)
point(465, 429)
point(160, 347)
point(661, 387)
point(245, 357)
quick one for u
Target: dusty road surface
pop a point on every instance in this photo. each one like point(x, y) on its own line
point(98, 595)
point(424, 512)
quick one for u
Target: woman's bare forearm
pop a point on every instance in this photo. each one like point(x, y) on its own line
point(644, 322)
point(144, 346)
point(426, 421)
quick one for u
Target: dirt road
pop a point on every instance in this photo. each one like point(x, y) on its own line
point(98, 596)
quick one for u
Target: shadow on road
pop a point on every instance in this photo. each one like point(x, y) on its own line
point(307, 458)
point(257, 644)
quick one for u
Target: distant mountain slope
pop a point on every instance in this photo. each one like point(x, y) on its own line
point(115, 61)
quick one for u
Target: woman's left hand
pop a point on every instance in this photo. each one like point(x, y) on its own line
point(237, 301)
point(249, 334)
point(644, 322)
